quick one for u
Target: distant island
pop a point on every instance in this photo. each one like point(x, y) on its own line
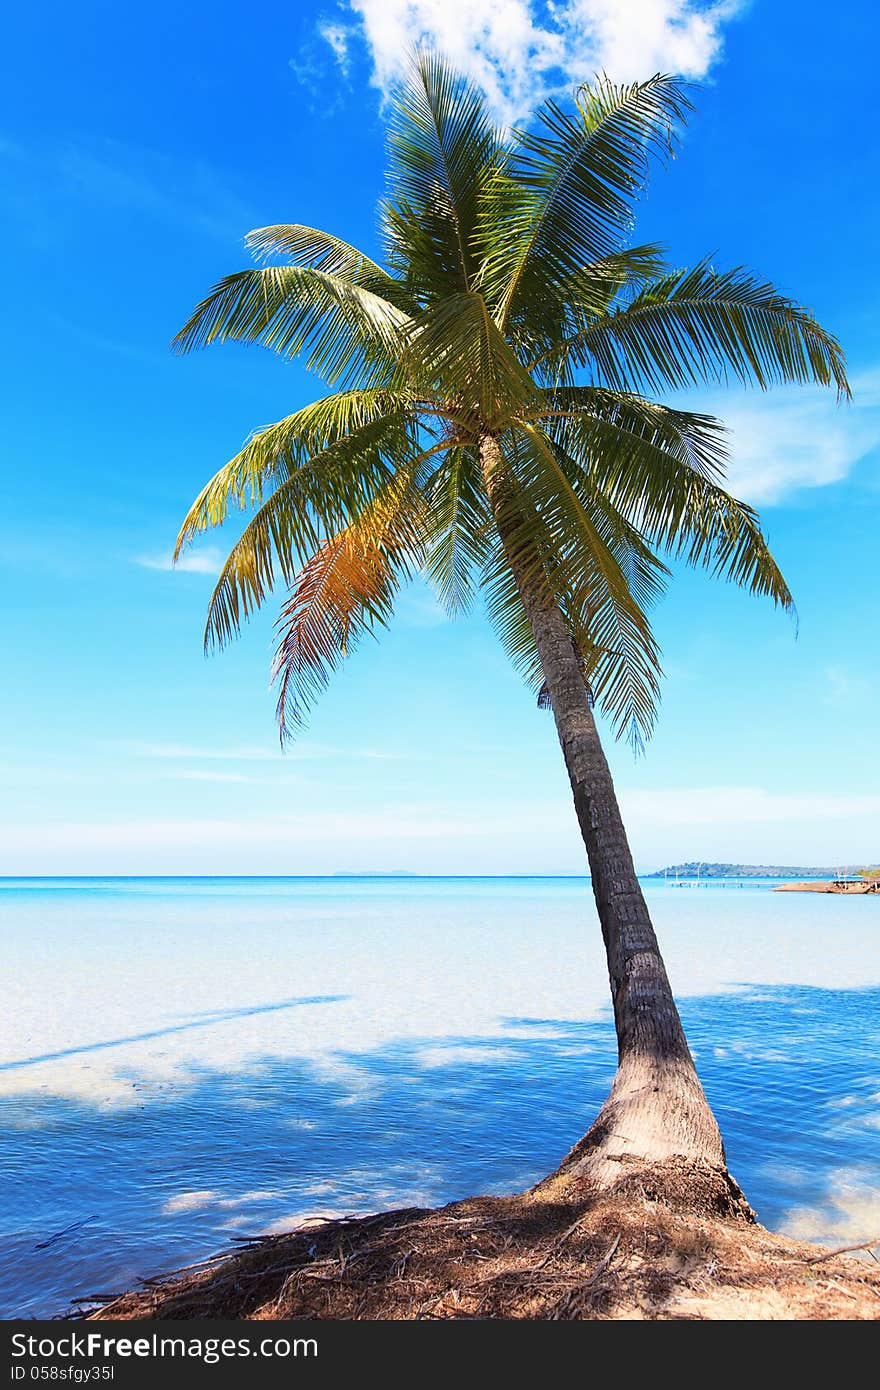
point(696, 870)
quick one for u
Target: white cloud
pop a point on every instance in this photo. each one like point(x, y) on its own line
point(268, 752)
point(520, 51)
point(733, 806)
point(199, 775)
point(312, 841)
point(666, 825)
point(796, 437)
point(749, 825)
point(208, 560)
point(408, 823)
point(185, 751)
point(843, 689)
point(337, 36)
point(420, 610)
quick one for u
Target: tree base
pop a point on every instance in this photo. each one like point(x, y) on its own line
point(689, 1186)
point(656, 1113)
point(672, 1241)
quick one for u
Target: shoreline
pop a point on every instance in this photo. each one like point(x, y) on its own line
point(673, 1242)
point(829, 886)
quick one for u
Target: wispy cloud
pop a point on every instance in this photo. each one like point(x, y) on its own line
point(420, 610)
point(751, 824)
point(734, 806)
point(843, 688)
point(404, 825)
point(110, 174)
point(269, 752)
point(208, 560)
point(337, 36)
point(724, 822)
point(520, 51)
point(795, 437)
point(193, 774)
point(184, 752)
point(667, 825)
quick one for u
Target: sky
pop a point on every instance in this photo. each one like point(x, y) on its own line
point(137, 146)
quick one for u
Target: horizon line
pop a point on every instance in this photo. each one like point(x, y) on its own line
point(366, 874)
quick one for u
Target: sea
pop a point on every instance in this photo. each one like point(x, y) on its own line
point(188, 1061)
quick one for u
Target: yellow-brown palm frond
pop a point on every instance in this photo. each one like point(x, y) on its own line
point(344, 589)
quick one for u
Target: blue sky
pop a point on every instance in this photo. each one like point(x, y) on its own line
point(137, 146)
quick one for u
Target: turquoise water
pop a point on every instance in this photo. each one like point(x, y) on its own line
point(187, 1060)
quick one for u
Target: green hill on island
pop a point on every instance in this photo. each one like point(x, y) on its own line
point(698, 870)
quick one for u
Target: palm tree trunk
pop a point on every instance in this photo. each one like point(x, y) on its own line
point(656, 1108)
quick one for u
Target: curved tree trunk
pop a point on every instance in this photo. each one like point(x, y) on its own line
point(656, 1108)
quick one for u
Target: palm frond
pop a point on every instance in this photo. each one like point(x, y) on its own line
point(274, 453)
point(701, 324)
point(455, 346)
point(316, 501)
point(441, 147)
point(309, 246)
point(344, 589)
point(600, 572)
point(458, 528)
point(538, 325)
point(580, 173)
point(629, 428)
point(504, 607)
point(345, 329)
point(660, 468)
point(594, 528)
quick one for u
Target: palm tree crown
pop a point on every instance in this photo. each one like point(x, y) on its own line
point(512, 308)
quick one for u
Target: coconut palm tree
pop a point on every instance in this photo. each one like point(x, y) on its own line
point(492, 423)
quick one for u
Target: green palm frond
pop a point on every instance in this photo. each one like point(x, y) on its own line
point(505, 610)
point(459, 528)
point(345, 329)
point(274, 453)
point(592, 564)
point(309, 246)
point(660, 468)
point(586, 295)
point(317, 500)
point(620, 665)
point(578, 173)
point(456, 346)
point(442, 146)
point(585, 519)
point(700, 325)
point(605, 577)
point(698, 440)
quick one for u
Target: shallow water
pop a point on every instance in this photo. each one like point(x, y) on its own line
point(182, 1061)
